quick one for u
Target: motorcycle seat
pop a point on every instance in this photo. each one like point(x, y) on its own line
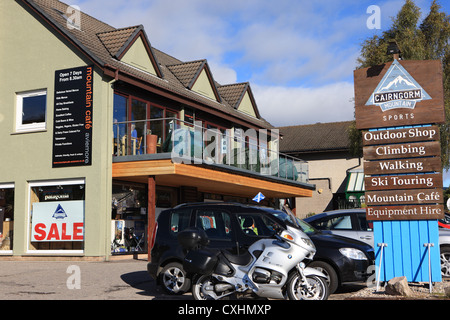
point(241, 259)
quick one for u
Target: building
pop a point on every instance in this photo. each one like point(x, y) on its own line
point(101, 131)
point(337, 174)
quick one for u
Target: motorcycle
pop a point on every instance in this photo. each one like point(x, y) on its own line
point(270, 268)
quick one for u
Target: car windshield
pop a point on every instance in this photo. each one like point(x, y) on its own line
point(305, 227)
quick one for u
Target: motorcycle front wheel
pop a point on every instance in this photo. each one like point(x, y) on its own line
point(315, 289)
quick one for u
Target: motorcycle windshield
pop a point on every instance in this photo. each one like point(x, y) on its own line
point(292, 220)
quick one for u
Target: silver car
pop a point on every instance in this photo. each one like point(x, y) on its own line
point(352, 223)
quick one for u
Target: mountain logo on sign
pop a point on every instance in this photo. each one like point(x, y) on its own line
point(398, 84)
point(397, 89)
point(59, 213)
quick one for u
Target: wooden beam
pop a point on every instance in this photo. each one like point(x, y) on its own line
point(151, 214)
point(205, 179)
point(142, 168)
point(226, 178)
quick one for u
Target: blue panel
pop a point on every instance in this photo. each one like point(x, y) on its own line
point(435, 251)
point(378, 238)
point(423, 238)
point(406, 250)
point(388, 256)
point(397, 249)
point(405, 254)
point(415, 250)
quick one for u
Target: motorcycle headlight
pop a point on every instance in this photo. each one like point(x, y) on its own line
point(353, 253)
point(308, 242)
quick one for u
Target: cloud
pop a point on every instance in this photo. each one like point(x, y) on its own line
point(298, 55)
point(283, 106)
point(286, 42)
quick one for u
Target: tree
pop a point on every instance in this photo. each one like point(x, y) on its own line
point(429, 40)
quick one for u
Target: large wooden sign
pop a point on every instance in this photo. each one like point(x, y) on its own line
point(398, 106)
point(399, 93)
point(402, 165)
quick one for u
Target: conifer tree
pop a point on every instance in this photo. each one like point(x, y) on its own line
point(427, 40)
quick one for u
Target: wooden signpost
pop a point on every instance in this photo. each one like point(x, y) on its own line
point(398, 106)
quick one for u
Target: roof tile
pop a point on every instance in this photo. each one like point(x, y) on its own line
point(315, 137)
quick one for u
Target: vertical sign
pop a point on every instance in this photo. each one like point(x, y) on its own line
point(400, 103)
point(73, 114)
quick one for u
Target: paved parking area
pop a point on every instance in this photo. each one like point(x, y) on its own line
point(74, 280)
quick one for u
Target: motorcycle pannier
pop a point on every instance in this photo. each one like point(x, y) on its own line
point(192, 238)
point(200, 261)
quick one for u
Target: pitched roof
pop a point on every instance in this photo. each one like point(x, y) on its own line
point(104, 45)
point(319, 137)
point(234, 93)
point(116, 40)
point(186, 72)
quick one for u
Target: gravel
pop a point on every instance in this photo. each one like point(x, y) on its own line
point(421, 291)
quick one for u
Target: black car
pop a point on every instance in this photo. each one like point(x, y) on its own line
point(234, 227)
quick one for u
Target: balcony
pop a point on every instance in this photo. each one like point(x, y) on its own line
point(189, 143)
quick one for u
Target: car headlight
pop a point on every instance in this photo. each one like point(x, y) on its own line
point(352, 253)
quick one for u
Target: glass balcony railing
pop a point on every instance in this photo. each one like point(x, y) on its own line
point(251, 150)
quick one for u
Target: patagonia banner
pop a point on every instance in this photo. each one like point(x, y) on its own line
point(57, 221)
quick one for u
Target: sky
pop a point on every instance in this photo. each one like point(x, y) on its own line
point(298, 55)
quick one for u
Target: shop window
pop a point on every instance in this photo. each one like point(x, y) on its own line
point(57, 216)
point(6, 218)
point(129, 218)
point(31, 108)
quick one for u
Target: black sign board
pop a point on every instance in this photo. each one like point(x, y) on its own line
point(73, 114)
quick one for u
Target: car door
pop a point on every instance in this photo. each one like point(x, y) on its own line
point(365, 228)
point(339, 224)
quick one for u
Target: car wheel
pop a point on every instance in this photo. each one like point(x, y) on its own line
point(445, 262)
point(329, 272)
point(174, 279)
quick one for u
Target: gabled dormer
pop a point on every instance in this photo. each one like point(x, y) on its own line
point(196, 76)
point(240, 97)
point(131, 46)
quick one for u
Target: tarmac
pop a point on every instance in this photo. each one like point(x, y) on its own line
point(89, 280)
point(77, 280)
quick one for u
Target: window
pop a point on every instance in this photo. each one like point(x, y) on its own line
point(338, 223)
point(363, 223)
point(257, 225)
point(57, 216)
point(179, 220)
point(216, 223)
point(31, 108)
point(6, 218)
point(135, 120)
